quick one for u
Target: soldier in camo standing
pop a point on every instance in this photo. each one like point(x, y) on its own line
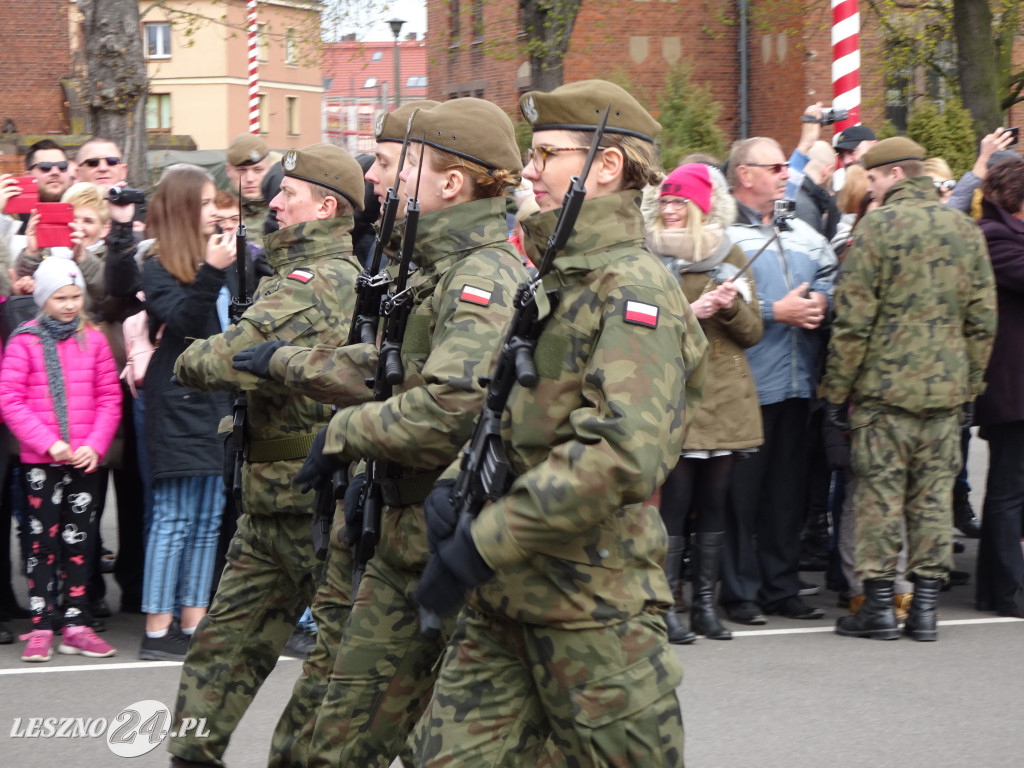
point(914, 328)
point(563, 635)
point(248, 160)
point(272, 571)
point(466, 158)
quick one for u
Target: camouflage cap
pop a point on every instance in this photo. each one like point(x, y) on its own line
point(893, 150)
point(579, 106)
point(391, 125)
point(247, 150)
point(471, 128)
point(329, 166)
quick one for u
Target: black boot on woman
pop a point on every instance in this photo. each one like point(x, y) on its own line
point(707, 551)
point(677, 633)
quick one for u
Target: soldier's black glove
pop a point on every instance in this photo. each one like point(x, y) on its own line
point(256, 360)
point(318, 466)
point(455, 568)
point(354, 510)
point(966, 415)
point(440, 513)
point(838, 415)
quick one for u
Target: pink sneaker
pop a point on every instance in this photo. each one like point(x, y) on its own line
point(38, 647)
point(84, 641)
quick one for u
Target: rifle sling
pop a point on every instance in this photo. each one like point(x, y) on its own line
point(282, 449)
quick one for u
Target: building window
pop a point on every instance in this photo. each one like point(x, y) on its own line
point(478, 21)
point(416, 81)
point(291, 47)
point(158, 40)
point(371, 82)
point(377, 56)
point(292, 114)
point(264, 115)
point(262, 42)
point(454, 14)
point(158, 112)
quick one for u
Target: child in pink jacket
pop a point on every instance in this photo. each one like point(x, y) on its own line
point(61, 397)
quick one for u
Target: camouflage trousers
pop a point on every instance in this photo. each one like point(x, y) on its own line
point(331, 607)
point(270, 578)
point(905, 467)
point(602, 697)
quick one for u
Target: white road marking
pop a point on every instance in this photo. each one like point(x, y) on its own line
point(832, 627)
point(40, 670)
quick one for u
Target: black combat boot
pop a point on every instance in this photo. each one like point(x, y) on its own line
point(921, 623)
point(876, 618)
point(677, 633)
point(963, 515)
point(707, 551)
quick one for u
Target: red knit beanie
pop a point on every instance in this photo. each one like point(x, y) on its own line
point(691, 181)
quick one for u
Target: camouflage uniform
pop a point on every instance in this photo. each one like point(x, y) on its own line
point(272, 570)
point(384, 669)
point(568, 640)
point(915, 322)
point(254, 216)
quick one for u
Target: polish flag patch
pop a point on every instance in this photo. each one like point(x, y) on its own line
point(639, 313)
point(475, 295)
point(302, 275)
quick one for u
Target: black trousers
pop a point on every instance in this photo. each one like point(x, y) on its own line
point(765, 513)
point(1000, 562)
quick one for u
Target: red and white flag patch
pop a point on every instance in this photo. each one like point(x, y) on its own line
point(302, 275)
point(475, 295)
point(639, 313)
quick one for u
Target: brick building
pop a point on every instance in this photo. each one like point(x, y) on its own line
point(475, 49)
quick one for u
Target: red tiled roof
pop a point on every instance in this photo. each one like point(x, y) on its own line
point(351, 64)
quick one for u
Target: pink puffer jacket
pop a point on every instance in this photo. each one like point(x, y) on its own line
point(90, 381)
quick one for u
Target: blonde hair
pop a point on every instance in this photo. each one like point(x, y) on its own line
point(85, 194)
point(483, 181)
point(174, 219)
point(936, 166)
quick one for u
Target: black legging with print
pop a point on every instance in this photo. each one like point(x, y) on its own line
point(61, 523)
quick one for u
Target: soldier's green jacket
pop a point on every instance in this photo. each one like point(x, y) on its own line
point(254, 215)
point(452, 338)
point(308, 299)
point(915, 307)
point(573, 544)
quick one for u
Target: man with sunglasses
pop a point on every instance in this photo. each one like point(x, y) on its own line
point(794, 276)
point(100, 162)
point(47, 162)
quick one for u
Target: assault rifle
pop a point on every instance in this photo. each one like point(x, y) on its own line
point(394, 309)
point(239, 304)
point(371, 286)
point(484, 470)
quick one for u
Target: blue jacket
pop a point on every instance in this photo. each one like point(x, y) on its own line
point(787, 362)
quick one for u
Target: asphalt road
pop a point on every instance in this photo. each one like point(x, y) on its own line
point(788, 695)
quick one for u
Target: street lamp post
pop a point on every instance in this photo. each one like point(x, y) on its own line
point(396, 29)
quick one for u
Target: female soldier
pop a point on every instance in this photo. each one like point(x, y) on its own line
point(689, 236)
point(563, 634)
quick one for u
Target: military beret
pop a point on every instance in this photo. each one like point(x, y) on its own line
point(893, 150)
point(391, 125)
point(329, 166)
point(579, 106)
point(471, 128)
point(851, 137)
point(247, 150)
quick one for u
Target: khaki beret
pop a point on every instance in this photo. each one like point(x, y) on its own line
point(329, 166)
point(579, 106)
point(391, 125)
point(247, 150)
point(893, 150)
point(471, 128)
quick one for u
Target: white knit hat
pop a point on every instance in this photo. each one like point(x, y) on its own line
point(54, 273)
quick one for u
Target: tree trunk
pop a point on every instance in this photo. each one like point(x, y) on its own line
point(114, 86)
point(548, 26)
point(981, 82)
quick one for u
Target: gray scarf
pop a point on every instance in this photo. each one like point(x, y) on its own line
point(50, 331)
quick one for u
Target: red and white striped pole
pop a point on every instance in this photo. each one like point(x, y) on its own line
point(254, 78)
point(846, 61)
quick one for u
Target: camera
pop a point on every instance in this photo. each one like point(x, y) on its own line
point(828, 116)
point(782, 212)
point(126, 196)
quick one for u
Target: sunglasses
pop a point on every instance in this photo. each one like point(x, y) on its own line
point(60, 165)
point(775, 167)
point(945, 186)
point(93, 162)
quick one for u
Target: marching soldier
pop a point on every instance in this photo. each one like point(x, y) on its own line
point(563, 634)
point(914, 328)
point(272, 571)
